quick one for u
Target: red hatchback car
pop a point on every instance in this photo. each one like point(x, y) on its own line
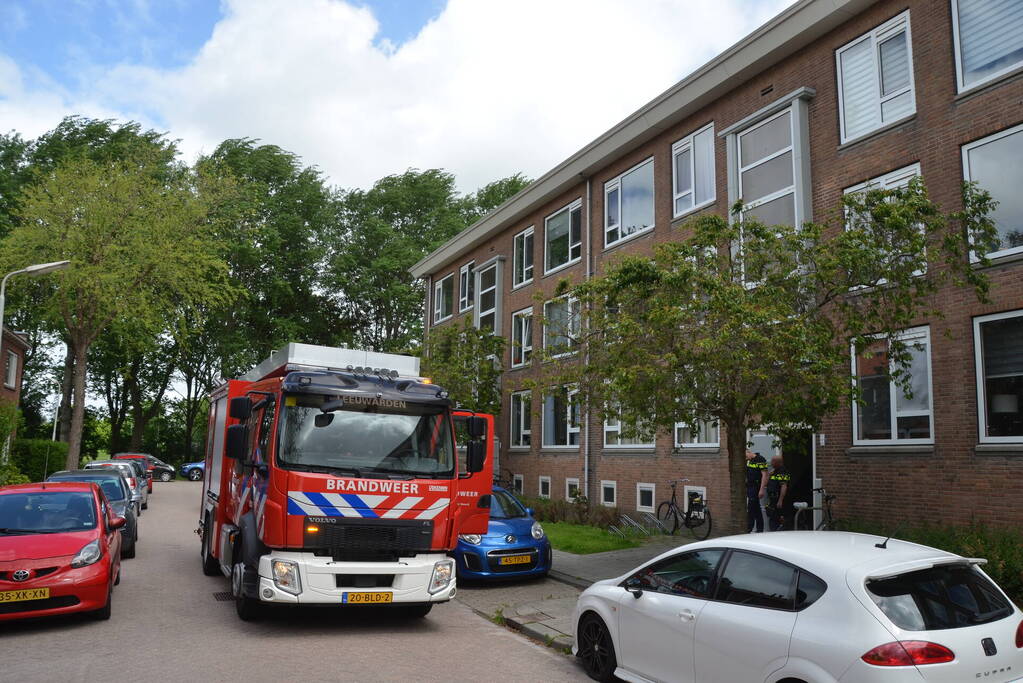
point(147, 466)
point(60, 550)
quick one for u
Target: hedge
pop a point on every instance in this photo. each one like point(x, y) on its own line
point(31, 456)
point(577, 511)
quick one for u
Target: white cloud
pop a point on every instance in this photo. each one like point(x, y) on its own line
point(486, 89)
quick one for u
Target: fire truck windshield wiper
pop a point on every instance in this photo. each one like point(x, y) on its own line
point(395, 474)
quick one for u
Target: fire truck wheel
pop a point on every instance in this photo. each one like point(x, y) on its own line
point(418, 611)
point(248, 609)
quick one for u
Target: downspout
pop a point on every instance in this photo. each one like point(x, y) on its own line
point(426, 310)
point(587, 270)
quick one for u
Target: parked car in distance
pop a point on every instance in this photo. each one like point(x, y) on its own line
point(118, 494)
point(130, 470)
point(193, 470)
point(160, 469)
point(143, 460)
point(515, 545)
point(61, 550)
point(821, 606)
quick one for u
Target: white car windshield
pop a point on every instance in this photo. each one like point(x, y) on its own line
point(366, 440)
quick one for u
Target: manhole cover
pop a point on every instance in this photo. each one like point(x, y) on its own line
point(223, 596)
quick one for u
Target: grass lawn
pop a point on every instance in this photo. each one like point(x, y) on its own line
point(583, 540)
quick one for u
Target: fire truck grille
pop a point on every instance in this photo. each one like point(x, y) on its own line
point(367, 540)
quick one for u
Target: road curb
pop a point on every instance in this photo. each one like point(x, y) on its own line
point(542, 633)
point(574, 581)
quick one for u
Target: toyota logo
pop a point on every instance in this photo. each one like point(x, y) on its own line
point(20, 575)
point(509, 539)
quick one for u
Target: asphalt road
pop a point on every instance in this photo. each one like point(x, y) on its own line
point(168, 626)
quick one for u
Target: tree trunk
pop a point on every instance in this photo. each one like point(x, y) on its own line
point(64, 414)
point(737, 474)
point(74, 448)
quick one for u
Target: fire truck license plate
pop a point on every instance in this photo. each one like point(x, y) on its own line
point(365, 598)
point(515, 559)
point(31, 594)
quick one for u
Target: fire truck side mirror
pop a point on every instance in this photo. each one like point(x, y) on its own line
point(475, 456)
point(237, 439)
point(240, 408)
point(476, 426)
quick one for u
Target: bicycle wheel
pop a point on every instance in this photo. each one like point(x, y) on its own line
point(700, 525)
point(667, 514)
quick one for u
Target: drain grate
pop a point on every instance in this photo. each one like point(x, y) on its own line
point(223, 596)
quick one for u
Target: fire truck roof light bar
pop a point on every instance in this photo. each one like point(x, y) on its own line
point(310, 357)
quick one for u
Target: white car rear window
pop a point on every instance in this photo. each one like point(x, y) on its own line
point(944, 597)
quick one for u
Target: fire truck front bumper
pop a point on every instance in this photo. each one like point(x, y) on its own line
point(303, 578)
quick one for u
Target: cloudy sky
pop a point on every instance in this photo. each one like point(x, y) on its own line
point(362, 88)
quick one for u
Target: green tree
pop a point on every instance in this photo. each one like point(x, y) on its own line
point(750, 326)
point(140, 246)
point(465, 360)
point(478, 204)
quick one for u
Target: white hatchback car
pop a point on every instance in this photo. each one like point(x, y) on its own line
point(801, 607)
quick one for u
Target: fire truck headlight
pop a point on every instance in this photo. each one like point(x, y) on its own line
point(537, 531)
point(443, 574)
point(471, 538)
point(286, 576)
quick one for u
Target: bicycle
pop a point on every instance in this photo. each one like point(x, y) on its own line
point(828, 521)
point(696, 518)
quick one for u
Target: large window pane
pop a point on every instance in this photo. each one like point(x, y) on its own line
point(990, 38)
point(765, 140)
point(767, 178)
point(638, 199)
point(889, 411)
point(1002, 371)
point(560, 419)
point(894, 65)
point(995, 165)
point(703, 153)
point(563, 235)
point(780, 211)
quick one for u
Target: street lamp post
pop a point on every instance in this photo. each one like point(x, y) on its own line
point(37, 269)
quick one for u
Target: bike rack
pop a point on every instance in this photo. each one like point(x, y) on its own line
point(630, 522)
point(615, 530)
point(655, 523)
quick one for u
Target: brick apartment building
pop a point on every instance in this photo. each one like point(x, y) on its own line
point(828, 96)
point(12, 352)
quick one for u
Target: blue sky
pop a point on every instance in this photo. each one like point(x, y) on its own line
point(362, 88)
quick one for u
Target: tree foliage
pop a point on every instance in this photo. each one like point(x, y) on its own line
point(751, 326)
point(464, 360)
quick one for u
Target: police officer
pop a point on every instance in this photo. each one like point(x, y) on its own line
point(756, 488)
point(777, 494)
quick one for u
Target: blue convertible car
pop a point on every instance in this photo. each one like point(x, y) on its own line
point(514, 546)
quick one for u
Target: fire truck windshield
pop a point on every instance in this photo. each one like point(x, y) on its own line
point(366, 439)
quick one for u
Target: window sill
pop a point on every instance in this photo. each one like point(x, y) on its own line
point(463, 310)
point(629, 238)
point(891, 450)
point(525, 283)
point(1001, 259)
point(563, 266)
point(520, 449)
point(628, 450)
point(650, 511)
point(886, 128)
point(1008, 450)
point(981, 88)
point(438, 321)
point(699, 452)
point(558, 450)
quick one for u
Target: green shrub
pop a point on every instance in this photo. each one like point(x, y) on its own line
point(38, 457)
point(9, 474)
point(578, 511)
point(1001, 547)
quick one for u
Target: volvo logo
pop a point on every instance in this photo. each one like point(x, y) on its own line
point(509, 539)
point(20, 575)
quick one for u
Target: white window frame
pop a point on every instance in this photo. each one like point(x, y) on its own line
point(525, 418)
point(11, 370)
point(466, 274)
point(494, 264)
point(524, 345)
point(543, 479)
point(614, 488)
point(957, 48)
point(616, 184)
point(900, 177)
point(613, 426)
point(967, 175)
point(573, 206)
point(438, 299)
point(569, 482)
point(696, 444)
point(887, 30)
point(923, 333)
point(685, 495)
point(518, 484)
point(640, 486)
point(575, 324)
point(570, 427)
point(683, 145)
point(791, 149)
point(518, 260)
point(981, 384)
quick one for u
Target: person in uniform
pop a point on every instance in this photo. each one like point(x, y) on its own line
point(756, 488)
point(778, 513)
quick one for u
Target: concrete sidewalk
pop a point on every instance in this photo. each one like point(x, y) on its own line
point(544, 611)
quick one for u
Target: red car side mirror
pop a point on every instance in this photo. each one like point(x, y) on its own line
point(116, 522)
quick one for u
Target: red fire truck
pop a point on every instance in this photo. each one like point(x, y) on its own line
point(333, 477)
